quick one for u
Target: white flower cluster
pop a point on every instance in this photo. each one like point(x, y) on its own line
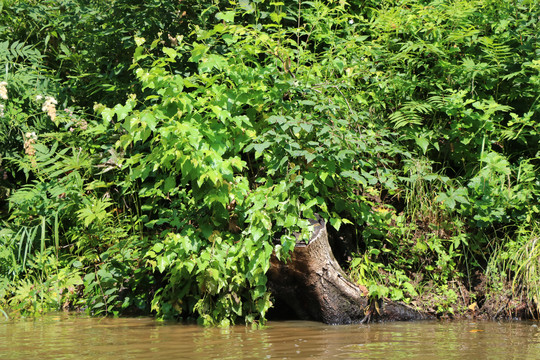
point(3, 95)
point(49, 106)
point(3, 90)
point(29, 141)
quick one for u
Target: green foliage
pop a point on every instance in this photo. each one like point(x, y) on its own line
point(516, 262)
point(447, 79)
point(222, 127)
point(50, 284)
point(219, 283)
point(90, 44)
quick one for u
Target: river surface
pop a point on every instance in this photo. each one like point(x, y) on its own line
point(61, 336)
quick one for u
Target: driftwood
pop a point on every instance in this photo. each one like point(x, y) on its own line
point(313, 285)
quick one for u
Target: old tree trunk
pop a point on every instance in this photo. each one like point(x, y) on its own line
point(313, 285)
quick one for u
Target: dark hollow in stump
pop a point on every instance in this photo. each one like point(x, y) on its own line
point(315, 287)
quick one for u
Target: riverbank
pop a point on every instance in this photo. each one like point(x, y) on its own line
point(155, 156)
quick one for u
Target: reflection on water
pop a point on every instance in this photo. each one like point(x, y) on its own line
point(75, 337)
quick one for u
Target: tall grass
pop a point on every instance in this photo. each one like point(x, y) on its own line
point(526, 262)
point(515, 265)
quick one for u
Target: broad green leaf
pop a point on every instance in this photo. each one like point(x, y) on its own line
point(149, 119)
point(227, 16)
point(423, 143)
point(122, 111)
point(107, 114)
point(170, 52)
point(170, 183)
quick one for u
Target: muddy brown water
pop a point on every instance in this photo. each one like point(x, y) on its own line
point(61, 336)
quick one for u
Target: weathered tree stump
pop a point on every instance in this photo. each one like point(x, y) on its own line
point(315, 287)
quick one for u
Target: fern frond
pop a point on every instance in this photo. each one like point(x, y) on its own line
point(496, 52)
point(401, 119)
point(410, 114)
point(436, 101)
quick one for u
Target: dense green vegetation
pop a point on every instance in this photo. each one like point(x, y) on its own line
point(154, 154)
